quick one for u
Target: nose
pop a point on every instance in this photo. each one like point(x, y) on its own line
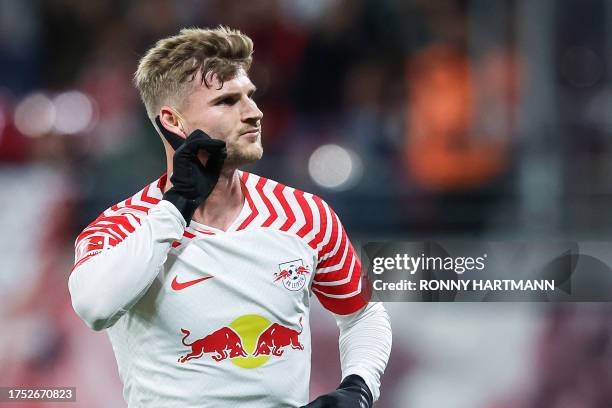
point(251, 112)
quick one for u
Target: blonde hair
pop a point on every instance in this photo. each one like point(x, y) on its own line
point(165, 73)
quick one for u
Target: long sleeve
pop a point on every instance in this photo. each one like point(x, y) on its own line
point(117, 258)
point(338, 282)
point(365, 344)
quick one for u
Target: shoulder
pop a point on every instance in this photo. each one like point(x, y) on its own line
point(117, 222)
point(288, 209)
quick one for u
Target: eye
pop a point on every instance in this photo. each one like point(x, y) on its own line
point(227, 101)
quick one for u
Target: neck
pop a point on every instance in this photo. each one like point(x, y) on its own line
point(224, 204)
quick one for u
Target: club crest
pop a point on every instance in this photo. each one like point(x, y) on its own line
point(292, 274)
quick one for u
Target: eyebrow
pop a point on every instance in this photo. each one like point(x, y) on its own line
point(231, 95)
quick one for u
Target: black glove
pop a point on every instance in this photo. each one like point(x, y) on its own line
point(352, 393)
point(192, 181)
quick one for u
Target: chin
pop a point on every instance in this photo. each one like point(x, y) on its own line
point(248, 155)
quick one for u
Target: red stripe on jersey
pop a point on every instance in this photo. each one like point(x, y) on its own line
point(340, 273)
point(138, 207)
point(84, 235)
point(129, 204)
point(148, 199)
point(98, 229)
point(278, 193)
point(343, 306)
point(335, 259)
point(343, 288)
point(204, 231)
point(330, 277)
point(333, 237)
point(122, 220)
point(273, 215)
point(109, 229)
point(189, 235)
point(100, 226)
point(322, 224)
point(161, 183)
point(116, 207)
point(113, 239)
point(307, 227)
point(254, 211)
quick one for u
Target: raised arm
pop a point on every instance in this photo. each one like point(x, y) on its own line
point(119, 255)
point(117, 259)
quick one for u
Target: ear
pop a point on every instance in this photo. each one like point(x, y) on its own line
point(170, 121)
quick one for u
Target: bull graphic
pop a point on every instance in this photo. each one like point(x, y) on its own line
point(275, 338)
point(224, 342)
point(291, 271)
point(281, 275)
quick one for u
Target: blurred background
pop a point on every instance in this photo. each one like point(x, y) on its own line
point(414, 119)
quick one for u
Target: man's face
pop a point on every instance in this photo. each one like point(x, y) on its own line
point(227, 113)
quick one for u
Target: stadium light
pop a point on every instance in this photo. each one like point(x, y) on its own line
point(335, 167)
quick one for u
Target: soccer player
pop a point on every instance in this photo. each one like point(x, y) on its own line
point(203, 279)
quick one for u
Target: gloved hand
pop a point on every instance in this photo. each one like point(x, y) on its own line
point(352, 393)
point(192, 182)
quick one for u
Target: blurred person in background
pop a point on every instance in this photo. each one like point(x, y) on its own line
point(207, 272)
point(460, 114)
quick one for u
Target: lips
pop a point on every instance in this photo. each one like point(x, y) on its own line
point(251, 134)
point(254, 131)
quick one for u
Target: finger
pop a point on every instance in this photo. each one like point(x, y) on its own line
point(200, 143)
point(214, 146)
point(215, 161)
point(199, 134)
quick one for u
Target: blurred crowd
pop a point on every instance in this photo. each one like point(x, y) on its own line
point(413, 118)
point(393, 83)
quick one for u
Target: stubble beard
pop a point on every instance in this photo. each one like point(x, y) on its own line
point(239, 155)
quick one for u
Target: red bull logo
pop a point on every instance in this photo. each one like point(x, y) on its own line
point(292, 274)
point(248, 342)
point(223, 343)
point(276, 338)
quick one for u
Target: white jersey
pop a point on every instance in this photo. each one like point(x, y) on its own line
point(224, 319)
